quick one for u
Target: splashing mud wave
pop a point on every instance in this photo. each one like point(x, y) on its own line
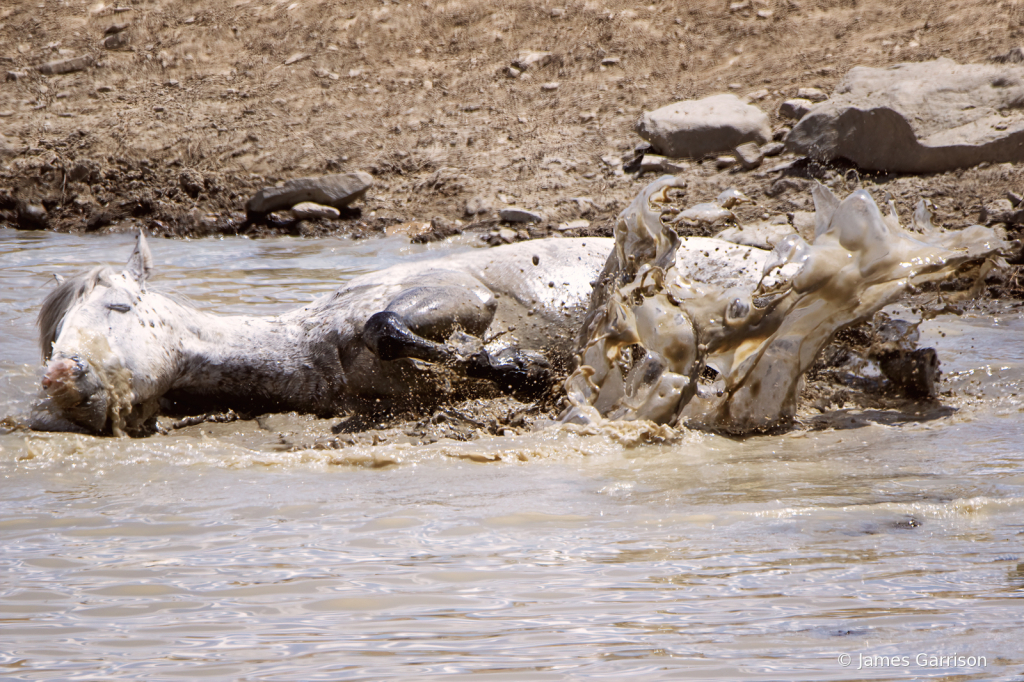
point(656, 321)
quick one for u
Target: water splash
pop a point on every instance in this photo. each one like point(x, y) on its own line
point(654, 322)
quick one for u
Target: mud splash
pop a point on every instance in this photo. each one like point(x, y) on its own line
point(654, 324)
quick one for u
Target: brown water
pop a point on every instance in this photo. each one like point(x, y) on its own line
point(211, 553)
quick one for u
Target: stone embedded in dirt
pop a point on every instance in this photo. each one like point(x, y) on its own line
point(795, 108)
point(1001, 211)
point(919, 118)
point(655, 163)
point(116, 28)
point(723, 162)
point(33, 214)
point(115, 41)
point(773, 149)
point(513, 72)
point(1015, 199)
point(697, 128)
point(16, 75)
point(527, 60)
point(192, 182)
point(329, 190)
point(1014, 56)
point(297, 57)
point(803, 223)
point(749, 155)
point(549, 87)
point(763, 235)
point(704, 214)
point(580, 224)
point(410, 229)
point(812, 94)
point(611, 61)
point(478, 205)
point(65, 65)
point(519, 215)
point(308, 210)
point(732, 197)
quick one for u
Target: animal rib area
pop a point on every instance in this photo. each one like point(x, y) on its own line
point(657, 317)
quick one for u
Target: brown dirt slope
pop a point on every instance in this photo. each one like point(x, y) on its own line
point(199, 104)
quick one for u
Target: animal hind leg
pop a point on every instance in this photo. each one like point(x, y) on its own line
point(419, 322)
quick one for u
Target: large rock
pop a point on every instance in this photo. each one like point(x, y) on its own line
point(329, 190)
point(698, 128)
point(919, 118)
point(66, 65)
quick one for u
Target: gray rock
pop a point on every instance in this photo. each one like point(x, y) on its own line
point(329, 190)
point(812, 94)
point(655, 163)
point(919, 118)
point(116, 41)
point(732, 197)
point(795, 108)
point(723, 162)
point(803, 223)
point(697, 128)
point(549, 87)
point(773, 149)
point(519, 215)
point(749, 155)
point(1014, 56)
point(479, 205)
point(1001, 211)
point(34, 214)
point(534, 60)
point(116, 28)
point(1014, 198)
point(309, 210)
point(66, 65)
point(507, 235)
point(580, 224)
point(706, 213)
point(763, 235)
point(16, 75)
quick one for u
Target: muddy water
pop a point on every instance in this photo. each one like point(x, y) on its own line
point(210, 553)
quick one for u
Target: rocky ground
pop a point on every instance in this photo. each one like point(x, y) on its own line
point(177, 113)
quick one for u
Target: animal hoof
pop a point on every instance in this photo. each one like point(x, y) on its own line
point(517, 372)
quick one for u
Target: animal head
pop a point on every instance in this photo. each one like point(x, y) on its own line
point(100, 339)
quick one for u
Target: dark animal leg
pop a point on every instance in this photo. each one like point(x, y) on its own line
point(418, 321)
point(519, 372)
point(390, 338)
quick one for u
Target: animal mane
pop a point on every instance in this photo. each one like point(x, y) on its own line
point(60, 300)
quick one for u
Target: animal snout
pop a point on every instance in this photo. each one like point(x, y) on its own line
point(70, 381)
point(76, 390)
point(63, 371)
